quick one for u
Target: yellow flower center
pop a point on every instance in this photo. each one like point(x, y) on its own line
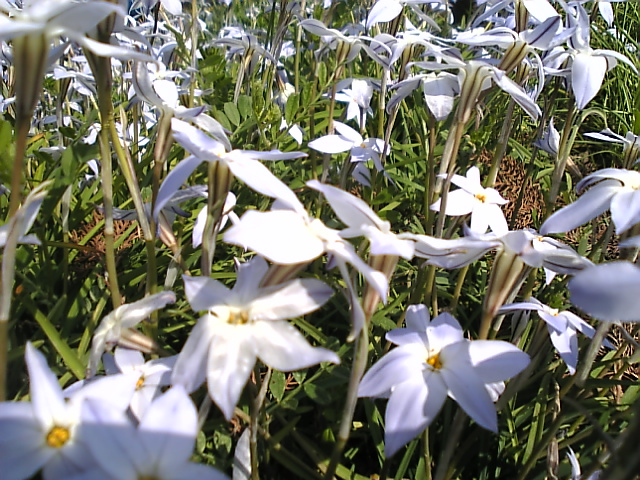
point(434, 361)
point(140, 382)
point(481, 196)
point(238, 317)
point(554, 312)
point(58, 436)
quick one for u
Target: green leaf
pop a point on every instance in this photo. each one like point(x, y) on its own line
point(232, 113)
point(277, 385)
point(317, 393)
point(291, 108)
point(245, 106)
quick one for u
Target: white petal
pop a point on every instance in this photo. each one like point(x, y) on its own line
point(466, 388)
point(46, 394)
point(413, 405)
point(280, 346)
point(587, 75)
point(169, 427)
point(195, 141)
point(444, 330)
point(290, 300)
point(397, 366)
point(231, 359)
point(172, 183)
point(131, 314)
point(204, 293)
point(566, 343)
point(281, 236)
point(383, 11)
point(331, 144)
point(608, 291)
point(591, 204)
point(495, 360)
point(417, 318)
point(625, 210)
point(191, 366)
point(174, 7)
point(260, 179)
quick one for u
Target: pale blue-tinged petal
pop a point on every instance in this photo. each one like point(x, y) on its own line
point(413, 405)
point(466, 387)
point(82, 17)
point(22, 450)
point(444, 330)
point(587, 75)
point(111, 439)
point(397, 366)
point(196, 142)
point(625, 210)
point(608, 291)
point(417, 318)
point(517, 93)
point(349, 133)
point(271, 155)
point(248, 278)
point(579, 324)
point(588, 206)
point(406, 336)
point(609, 177)
point(387, 243)
point(543, 34)
point(204, 293)
point(351, 210)
point(450, 253)
point(383, 11)
point(131, 314)
point(495, 360)
point(316, 27)
point(114, 391)
point(107, 49)
point(242, 457)
point(46, 394)
point(346, 253)
point(439, 92)
point(470, 182)
point(231, 359)
point(191, 366)
point(554, 321)
point(280, 346)
point(290, 300)
point(280, 236)
point(260, 179)
point(541, 10)
point(331, 144)
point(172, 182)
point(174, 7)
point(566, 343)
point(459, 202)
point(167, 91)
point(127, 359)
point(169, 427)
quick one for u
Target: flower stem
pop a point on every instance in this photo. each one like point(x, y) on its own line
point(357, 370)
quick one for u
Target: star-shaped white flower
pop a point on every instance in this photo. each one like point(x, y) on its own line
point(434, 360)
point(563, 328)
point(482, 203)
point(244, 324)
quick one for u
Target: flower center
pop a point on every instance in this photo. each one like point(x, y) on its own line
point(58, 436)
point(481, 196)
point(554, 312)
point(434, 361)
point(238, 317)
point(140, 382)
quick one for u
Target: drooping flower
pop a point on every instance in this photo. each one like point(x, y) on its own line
point(563, 328)
point(112, 329)
point(245, 324)
point(615, 189)
point(434, 360)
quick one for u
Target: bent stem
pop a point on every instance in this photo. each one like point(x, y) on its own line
point(357, 370)
point(254, 422)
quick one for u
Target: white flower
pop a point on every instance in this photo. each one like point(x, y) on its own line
point(110, 330)
point(159, 448)
point(563, 327)
point(245, 324)
point(433, 360)
point(482, 203)
point(45, 433)
point(611, 188)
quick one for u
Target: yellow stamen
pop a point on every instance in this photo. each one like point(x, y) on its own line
point(434, 361)
point(58, 436)
point(481, 196)
point(140, 382)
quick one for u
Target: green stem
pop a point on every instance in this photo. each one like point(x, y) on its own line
point(254, 423)
point(357, 370)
